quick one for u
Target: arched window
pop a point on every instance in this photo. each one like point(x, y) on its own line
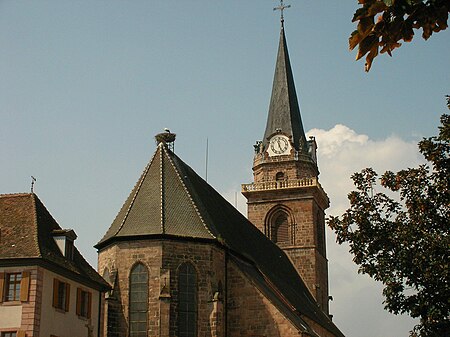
point(187, 301)
point(279, 176)
point(320, 227)
point(280, 228)
point(138, 301)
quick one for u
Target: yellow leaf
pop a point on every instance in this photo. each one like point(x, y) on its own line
point(372, 54)
point(365, 25)
point(354, 39)
point(366, 45)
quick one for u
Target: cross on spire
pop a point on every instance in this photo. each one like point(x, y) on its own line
point(281, 8)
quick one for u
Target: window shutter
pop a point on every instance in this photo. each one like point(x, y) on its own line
point(55, 292)
point(2, 286)
point(67, 297)
point(21, 333)
point(24, 286)
point(89, 305)
point(78, 301)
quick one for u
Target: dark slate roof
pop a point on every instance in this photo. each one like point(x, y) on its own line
point(26, 229)
point(284, 111)
point(160, 203)
point(171, 199)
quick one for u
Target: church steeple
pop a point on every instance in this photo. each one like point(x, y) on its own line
point(286, 201)
point(284, 111)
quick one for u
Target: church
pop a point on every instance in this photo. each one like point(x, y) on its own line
point(182, 261)
point(179, 260)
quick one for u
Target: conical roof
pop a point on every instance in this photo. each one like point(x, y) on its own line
point(171, 201)
point(159, 204)
point(284, 111)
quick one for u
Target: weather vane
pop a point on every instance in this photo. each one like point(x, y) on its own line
point(281, 8)
point(33, 180)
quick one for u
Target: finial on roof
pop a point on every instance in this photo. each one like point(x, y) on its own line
point(281, 8)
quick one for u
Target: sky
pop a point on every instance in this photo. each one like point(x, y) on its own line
point(85, 86)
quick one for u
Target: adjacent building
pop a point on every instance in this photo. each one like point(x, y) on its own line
point(47, 289)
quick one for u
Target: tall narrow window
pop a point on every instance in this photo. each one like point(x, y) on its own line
point(138, 301)
point(13, 286)
point(187, 301)
point(280, 228)
point(61, 295)
point(320, 227)
point(84, 303)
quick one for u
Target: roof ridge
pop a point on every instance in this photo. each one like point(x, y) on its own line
point(11, 195)
point(138, 187)
point(161, 184)
point(188, 193)
point(34, 197)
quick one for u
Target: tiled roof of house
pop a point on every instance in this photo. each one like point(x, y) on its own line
point(26, 228)
point(171, 199)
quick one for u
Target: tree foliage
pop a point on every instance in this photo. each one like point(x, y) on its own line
point(384, 23)
point(405, 243)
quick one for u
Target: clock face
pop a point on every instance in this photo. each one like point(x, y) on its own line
point(279, 145)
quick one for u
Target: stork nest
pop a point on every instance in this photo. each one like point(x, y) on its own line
point(165, 137)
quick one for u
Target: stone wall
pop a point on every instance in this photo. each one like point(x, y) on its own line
point(250, 313)
point(306, 218)
point(163, 258)
point(228, 303)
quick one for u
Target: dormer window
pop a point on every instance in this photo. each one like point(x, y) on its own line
point(69, 249)
point(64, 238)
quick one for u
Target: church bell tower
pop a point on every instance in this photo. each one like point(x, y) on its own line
point(285, 200)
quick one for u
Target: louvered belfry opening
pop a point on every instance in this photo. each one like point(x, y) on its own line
point(280, 228)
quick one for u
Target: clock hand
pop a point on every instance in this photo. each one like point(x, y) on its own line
point(279, 145)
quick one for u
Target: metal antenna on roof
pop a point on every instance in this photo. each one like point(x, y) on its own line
point(281, 8)
point(33, 180)
point(206, 161)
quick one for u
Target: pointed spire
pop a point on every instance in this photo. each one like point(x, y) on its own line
point(284, 111)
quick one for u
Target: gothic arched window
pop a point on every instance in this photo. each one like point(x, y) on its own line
point(280, 228)
point(138, 301)
point(187, 301)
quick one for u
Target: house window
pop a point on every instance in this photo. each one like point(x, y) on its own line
point(13, 286)
point(61, 295)
point(138, 301)
point(187, 301)
point(84, 303)
point(69, 249)
point(9, 334)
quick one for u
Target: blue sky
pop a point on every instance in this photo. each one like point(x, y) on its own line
point(85, 85)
